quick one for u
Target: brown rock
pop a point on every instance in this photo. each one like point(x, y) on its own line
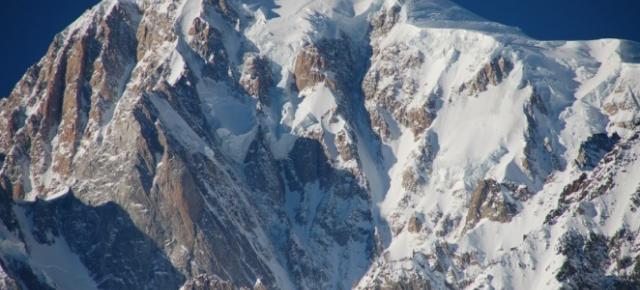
point(414, 225)
point(418, 120)
point(492, 73)
point(309, 68)
point(489, 201)
point(388, 90)
point(379, 125)
point(18, 191)
point(207, 43)
point(327, 60)
point(610, 108)
point(385, 20)
point(346, 145)
point(410, 179)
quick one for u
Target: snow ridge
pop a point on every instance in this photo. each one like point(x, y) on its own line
point(337, 144)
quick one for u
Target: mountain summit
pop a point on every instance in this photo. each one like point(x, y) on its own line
point(299, 144)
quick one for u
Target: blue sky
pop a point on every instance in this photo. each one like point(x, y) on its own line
point(29, 26)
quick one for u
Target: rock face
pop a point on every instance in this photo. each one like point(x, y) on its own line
point(585, 257)
point(198, 144)
point(491, 73)
point(385, 88)
point(206, 282)
point(594, 148)
point(256, 78)
point(490, 201)
point(415, 224)
point(327, 60)
point(106, 241)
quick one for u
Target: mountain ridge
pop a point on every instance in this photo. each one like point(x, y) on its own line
point(319, 145)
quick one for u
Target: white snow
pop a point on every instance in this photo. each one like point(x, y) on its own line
point(475, 137)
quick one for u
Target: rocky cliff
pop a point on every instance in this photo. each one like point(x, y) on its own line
point(226, 144)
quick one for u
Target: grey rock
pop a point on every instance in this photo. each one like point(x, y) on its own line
point(594, 149)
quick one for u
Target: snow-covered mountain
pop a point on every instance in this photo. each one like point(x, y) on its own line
point(337, 144)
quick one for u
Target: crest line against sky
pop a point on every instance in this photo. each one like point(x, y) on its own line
point(29, 26)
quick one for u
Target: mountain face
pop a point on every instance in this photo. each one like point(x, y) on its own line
point(299, 144)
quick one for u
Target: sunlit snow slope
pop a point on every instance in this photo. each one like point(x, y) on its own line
point(339, 144)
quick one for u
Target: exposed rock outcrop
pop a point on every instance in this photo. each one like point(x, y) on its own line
point(542, 148)
point(256, 78)
point(390, 89)
point(414, 225)
point(213, 144)
point(207, 42)
point(587, 257)
point(326, 60)
point(384, 20)
point(491, 73)
point(489, 200)
point(594, 148)
point(206, 282)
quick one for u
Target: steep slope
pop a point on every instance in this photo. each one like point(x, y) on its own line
point(339, 144)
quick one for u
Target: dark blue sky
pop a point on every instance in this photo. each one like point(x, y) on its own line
point(27, 27)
